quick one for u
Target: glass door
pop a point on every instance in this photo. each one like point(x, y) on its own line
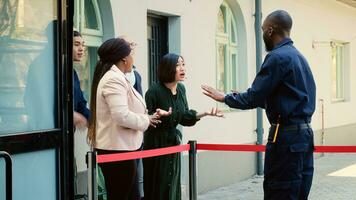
point(34, 88)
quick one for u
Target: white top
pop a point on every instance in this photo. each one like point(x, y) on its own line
point(120, 113)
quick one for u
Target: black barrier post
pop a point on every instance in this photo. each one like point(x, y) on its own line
point(91, 164)
point(193, 170)
point(8, 168)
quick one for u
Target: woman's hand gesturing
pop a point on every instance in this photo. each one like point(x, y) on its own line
point(154, 118)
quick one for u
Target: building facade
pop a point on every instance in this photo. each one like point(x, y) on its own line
point(36, 100)
point(217, 40)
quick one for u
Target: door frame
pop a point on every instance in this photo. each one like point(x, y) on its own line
point(155, 50)
point(61, 138)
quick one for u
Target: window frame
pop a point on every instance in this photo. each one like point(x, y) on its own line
point(231, 48)
point(340, 66)
point(93, 38)
point(89, 31)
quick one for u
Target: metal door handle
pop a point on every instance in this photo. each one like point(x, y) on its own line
point(8, 163)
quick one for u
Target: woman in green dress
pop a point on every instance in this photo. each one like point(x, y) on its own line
point(162, 173)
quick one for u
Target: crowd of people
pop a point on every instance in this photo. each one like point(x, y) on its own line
point(122, 120)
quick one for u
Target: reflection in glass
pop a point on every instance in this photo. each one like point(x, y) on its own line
point(234, 73)
point(221, 68)
point(90, 16)
point(227, 75)
point(221, 21)
point(40, 88)
point(27, 65)
point(337, 71)
point(34, 175)
point(232, 32)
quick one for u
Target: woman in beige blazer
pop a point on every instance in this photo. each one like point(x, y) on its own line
point(119, 117)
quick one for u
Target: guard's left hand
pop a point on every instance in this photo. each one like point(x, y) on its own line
point(213, 93)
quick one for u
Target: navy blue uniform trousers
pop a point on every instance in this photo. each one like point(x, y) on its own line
point(288, 170)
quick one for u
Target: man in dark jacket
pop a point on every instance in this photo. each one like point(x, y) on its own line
point(81, 112)
point(285, 88)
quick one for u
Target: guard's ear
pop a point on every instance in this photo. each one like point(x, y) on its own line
point(124, 59)
point(270, 31)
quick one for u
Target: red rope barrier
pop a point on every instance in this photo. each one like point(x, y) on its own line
point(141, 154)
point(255, 148)
point(211, 147)
point(335, 149)
point(230, 147)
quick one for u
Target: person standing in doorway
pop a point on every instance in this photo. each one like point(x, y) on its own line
point(285, 88)
point(81, 111)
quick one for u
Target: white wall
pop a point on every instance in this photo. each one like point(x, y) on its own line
point(198, 48)
point(323, 20)
point(237, 127)
point(319, 20)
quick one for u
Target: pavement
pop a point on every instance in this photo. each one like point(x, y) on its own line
point(334, 179)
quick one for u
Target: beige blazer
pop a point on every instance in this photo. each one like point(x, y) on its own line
point(120, 113)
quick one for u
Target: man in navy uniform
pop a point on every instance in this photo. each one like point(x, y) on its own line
point(285, 88)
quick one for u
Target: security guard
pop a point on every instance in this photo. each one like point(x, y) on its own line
point(285, 88)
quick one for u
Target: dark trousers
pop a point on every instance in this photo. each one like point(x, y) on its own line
point(289, 165)
point(120, 178)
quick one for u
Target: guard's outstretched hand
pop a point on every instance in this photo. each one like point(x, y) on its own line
point(213, 93)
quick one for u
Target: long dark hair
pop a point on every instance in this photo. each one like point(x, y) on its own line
point(111, 52)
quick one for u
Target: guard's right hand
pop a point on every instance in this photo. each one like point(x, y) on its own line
point(213, 93)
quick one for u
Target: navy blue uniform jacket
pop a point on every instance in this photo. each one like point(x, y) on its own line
point(284, 86)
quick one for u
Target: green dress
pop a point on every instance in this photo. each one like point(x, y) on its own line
point(162, 174)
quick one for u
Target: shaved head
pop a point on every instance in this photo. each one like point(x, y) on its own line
point(281, 21)
point(276, 27)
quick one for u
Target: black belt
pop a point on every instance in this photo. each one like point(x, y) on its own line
point(293, 127)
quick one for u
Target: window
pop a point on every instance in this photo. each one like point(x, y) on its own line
point(87, 20)
point(157, 40)
point(339, 71)
point(28, 66)
point(227, 71)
